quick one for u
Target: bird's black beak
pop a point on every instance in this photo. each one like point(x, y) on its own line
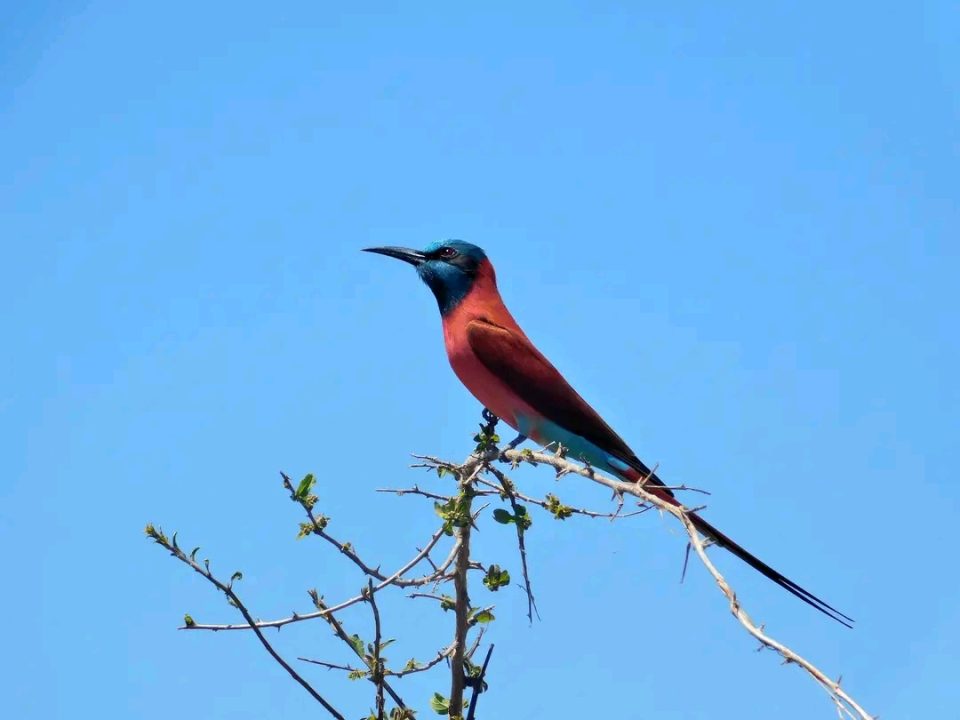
point(414, 257)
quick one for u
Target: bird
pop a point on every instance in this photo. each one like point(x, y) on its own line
point(503, 369)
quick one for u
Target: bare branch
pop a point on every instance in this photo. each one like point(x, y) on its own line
point(843, 701)
point(839, 696)
point(423, 667)
point(227, 589)
point(318, 526)
point(412, 669)
point(466, 476)
point(462, 610)
point(349, 642)
point(332, 666)
point(395, 579)
point(508, 489)
point(596, 514)
point(377, 669)
point(478, 684)
point(415, 490)
point(476, 477)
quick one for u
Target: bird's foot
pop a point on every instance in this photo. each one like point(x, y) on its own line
point(510, 446)
point(472, 681)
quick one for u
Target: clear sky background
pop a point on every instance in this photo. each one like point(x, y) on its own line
point(736, 230)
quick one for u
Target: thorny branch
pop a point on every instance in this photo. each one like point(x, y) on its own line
point(459, 518)
point(395, 579)
point(412, 670)
point(844, 702)
point(374, 677)
point(507, 489)
point(227, 589)
point(479, 684)
point(377, 671)
point(476, 477)
point(465, 477)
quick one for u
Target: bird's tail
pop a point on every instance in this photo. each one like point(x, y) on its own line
point(760, 566)
point(654, 485)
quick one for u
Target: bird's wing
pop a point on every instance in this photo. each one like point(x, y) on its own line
point(513, 358)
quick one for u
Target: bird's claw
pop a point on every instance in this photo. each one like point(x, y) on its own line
point(511, 446)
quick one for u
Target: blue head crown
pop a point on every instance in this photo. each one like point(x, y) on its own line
point(449, 269)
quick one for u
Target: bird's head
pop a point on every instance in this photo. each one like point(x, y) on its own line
point(449, 268)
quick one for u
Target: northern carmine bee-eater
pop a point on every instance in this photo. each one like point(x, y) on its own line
point(501, 367)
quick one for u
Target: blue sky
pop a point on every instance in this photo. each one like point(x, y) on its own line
point(735, 230)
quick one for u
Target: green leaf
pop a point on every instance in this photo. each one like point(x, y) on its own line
point(522, 518)
point(357, 674)
point(447, 603)
point(482, 616)
point(556, 508)
point(485, 440)
point(303, 489)
point(439, 704)
point(502, 516)
point(188, 621)
point(496, 578)
point(455, 512)
point(357, 642)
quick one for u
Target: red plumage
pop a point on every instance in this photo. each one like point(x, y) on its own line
point(499, 365)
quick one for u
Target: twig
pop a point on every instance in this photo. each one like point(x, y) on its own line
point(342, 634)
point(227, 589)
point(595, 514)
point(318, 528)
point(478, 684)
point(415, 490)
point(839, 696)
point(332, 666)
point(508, 488)
point(466, 476)
point(416, 668)
point(423, 667)
point(394, 579)
point(377, 669)
point(462, 611)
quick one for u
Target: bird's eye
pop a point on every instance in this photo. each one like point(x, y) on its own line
point(447, 252)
